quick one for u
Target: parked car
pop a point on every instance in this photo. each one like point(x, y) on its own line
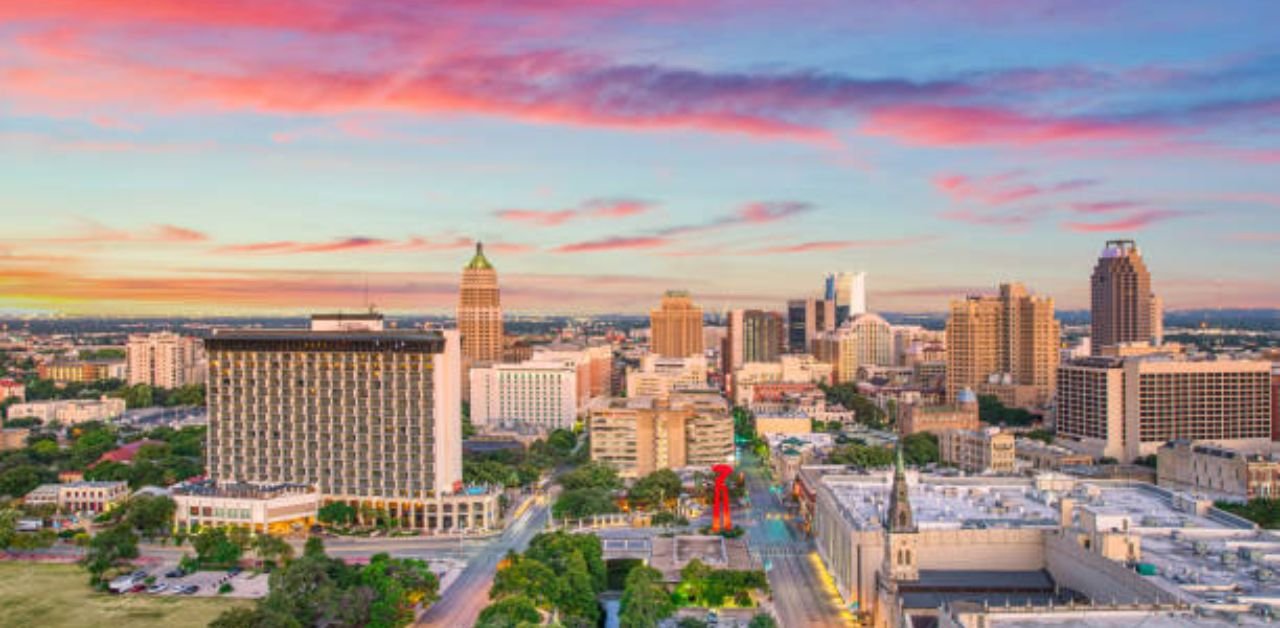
point(126, 583)
point(157, 588)
point(139, 588)
point(141, 573)
point(175, 573)
point(189, 589)
point(234, 571)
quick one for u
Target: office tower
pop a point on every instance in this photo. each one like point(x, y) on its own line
point(1157, 320)
point(639, 435)
point(1005, 346)
point(1121, 297)
point(362, 413)
point(480, 311)
point(675, 327)
point(864, 340)
point(165, 360)
point(1127, 407)
point(754, 336)
point(849, 291)
point(530, 398)
point(806, 320)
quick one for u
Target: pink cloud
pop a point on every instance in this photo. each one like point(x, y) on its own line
point(838, 245)
point(595, 208)
point(766, 212)
point(1001, 189)
point(612, 244)
point(1105, 207)
point(1133, 222)
point(938, 125)
point(91, 231)
point(359, 243)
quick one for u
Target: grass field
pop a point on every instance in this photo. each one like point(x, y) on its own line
point(51, 596)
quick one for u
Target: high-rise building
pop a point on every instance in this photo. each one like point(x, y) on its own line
point(806, 320)
point(849, 291)
point(864, 340)
point(366, 415)
point(753, 336)
point(639, 435)
point(1121, 302)
point(1125, 408)
point(531, 397)
point(480, 311)
point(1157, 320)
point(1005, 345)
point(675, 327)
point(165, 360)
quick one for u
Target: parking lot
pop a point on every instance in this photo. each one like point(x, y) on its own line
point(246, 584)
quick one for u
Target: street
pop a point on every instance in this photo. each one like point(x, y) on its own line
point(801, 596)
point(469, 594)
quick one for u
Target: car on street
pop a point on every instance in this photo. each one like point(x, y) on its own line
point(234, 571)
point(139, 588)
point(189, 589)
point(157, 588)
point(175, 573)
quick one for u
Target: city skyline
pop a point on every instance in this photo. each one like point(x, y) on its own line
point(171, 159)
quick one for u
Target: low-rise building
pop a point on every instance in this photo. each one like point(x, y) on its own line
point(1045, 456)
point(797, 370)
point(640, 435)
point(10, 389)
point(936, 419)
point(79, 497)
point(1220, 472)
point(13, 438)
point(783, 423)
point(978, 451)
point(789, 452)
point(660, 376)
point(265, 509)
point(69, 411)
point(83, 370)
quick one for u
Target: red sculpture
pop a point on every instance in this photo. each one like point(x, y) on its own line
point(721, 504)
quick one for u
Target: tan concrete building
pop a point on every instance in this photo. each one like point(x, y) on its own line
point(1010, 339)
point(783, 423)
point(660, 376)
point(936, 419)
point(1121, 305)
point(165, 360)
point(675, 326)
point(640, 435)
point(864, 340)
point(265, 509)
point(83, 370)
point(978, 451)
point(80, 497)
point(752, 336)
point(13, 438)
point(1220, 472)
point(1047, 457)
point(364, 414)
point(69, 411)
point(480, 311)
point(788, 369)
point(1125, 408)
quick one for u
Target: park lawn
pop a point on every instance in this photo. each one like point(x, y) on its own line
point(50, 595)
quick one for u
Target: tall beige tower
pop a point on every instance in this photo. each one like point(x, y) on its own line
point(675, 326)
point(1005, 345)
point(1121, 307)
point(480, 311)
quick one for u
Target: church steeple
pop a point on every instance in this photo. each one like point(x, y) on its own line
point(900, 518)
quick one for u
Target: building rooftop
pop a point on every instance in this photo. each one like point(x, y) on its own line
point(208, 488)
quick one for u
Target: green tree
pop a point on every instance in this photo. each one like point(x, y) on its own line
point(762, 621)
point(214, 546)
point(109, 549)
point(583, 502)
point(921, 449)
point(527, 577)
point(336, 513)
point(137, 396)
point(591, 475)
point(644, 600)
point(861, 455)
point(271, 549)
point(992, 411)
point(150, 515)
point(509, 612)
point(19, 480)
point(8, 525)
point(654, 489)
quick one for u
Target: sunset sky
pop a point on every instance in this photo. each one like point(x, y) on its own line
point(250, 156)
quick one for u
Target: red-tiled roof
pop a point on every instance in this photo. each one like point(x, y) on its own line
point(125, 454)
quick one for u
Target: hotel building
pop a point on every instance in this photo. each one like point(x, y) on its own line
point(531, 397)
point(1125, 408)
point(165, 360)
point(1005, 345)
point(366, 415)
point(640, 435)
